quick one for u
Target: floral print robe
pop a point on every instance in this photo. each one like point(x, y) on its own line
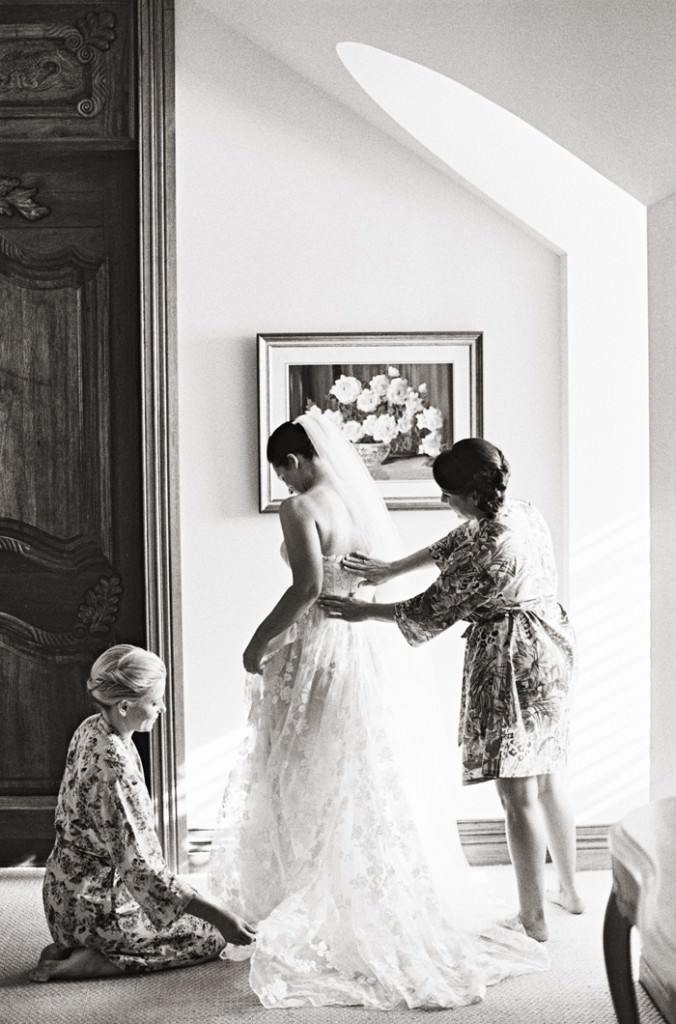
point(107, 886)
point(499, 575)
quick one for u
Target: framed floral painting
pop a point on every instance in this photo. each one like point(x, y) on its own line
point(399, 398)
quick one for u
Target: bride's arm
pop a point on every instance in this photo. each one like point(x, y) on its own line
point(374, 571)
point(305, 559)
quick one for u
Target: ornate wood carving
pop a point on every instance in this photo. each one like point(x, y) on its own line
point(66, 606)
point(56, 75)
point(57, 64)
point(15, 197)
point(67, 266)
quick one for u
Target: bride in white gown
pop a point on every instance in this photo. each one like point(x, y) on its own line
point(316, 843)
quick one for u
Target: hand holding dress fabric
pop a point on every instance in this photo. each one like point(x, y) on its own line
point(233, 928)
point(254, 656)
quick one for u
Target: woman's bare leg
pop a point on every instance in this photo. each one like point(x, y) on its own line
point(560, 826)
point(72, 963)
point(527, 849)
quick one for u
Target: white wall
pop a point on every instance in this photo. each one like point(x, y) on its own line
point(662, 295)
point(294, 216)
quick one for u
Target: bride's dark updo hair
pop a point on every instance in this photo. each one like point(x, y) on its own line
point(474, 466)
point(288, 439)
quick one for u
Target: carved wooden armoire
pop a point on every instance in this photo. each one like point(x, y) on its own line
point(84, 386)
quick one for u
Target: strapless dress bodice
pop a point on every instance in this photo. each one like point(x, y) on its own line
point(336, 579)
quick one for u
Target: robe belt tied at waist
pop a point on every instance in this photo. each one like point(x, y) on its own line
point(508, 610)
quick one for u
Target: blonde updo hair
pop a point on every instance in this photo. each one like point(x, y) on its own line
point(124, 672)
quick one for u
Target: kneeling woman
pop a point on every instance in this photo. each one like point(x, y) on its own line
point(112, 904)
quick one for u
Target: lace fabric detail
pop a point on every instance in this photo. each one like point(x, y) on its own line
point(317, 846)
point(338, 580)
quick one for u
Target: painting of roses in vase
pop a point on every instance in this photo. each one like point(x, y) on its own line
point(390, 413)
point(400, 398)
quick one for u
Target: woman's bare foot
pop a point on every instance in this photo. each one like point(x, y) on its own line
point(72, 963)
point(570, 901)
point(535, 929)
point(49, 954)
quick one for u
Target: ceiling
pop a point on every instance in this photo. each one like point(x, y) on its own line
point(596, 76)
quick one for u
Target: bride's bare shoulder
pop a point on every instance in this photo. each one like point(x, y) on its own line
point(318, 502)
point(297, 506)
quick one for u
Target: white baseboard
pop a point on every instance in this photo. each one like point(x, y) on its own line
point(484, 842)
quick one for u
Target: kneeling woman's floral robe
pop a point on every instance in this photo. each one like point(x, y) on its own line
point(107, 886)
point(499, 575)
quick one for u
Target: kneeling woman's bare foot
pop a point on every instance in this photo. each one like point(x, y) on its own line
point(60, 964)
point(570, 901)
point(49, 954)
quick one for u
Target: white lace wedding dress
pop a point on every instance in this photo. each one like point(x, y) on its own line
point(316, 844)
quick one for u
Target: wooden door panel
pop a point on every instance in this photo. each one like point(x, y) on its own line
point(53, 376)
point(45, 736)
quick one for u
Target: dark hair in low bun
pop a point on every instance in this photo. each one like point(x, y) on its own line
point(474, 466)
point(288, 439)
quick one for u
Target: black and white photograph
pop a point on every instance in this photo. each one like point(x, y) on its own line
point(337, 500)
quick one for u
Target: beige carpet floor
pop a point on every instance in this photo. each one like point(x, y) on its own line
point(573, 992)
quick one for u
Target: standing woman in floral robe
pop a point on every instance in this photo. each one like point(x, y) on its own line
point(497, 572)
point(112, 904)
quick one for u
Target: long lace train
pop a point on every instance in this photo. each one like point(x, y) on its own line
point(317, 845)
